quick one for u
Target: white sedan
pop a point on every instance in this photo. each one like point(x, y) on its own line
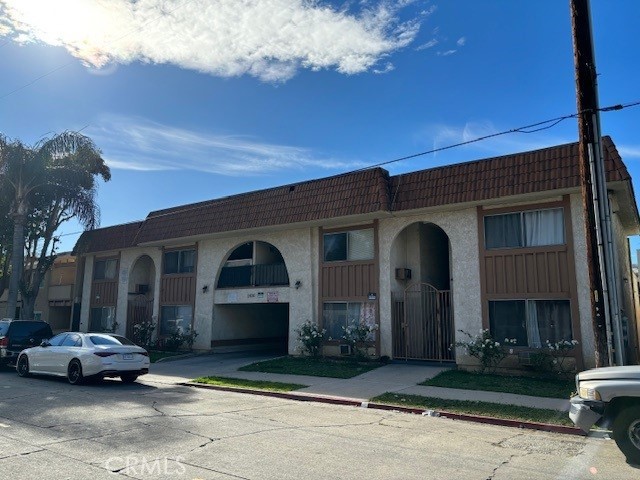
point(79, 355)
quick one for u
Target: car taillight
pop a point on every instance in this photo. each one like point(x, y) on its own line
point(4, 341)
point(104, 354)
point(146, 354)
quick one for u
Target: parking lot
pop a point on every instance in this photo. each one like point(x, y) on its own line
point(157, 429)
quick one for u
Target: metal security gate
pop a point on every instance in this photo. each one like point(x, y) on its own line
point(139, 310)
point(423, 324)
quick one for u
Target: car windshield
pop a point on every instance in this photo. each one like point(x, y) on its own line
point(110, 340)
point(4, 327)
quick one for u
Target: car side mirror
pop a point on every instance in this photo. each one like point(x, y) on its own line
point(45, 343)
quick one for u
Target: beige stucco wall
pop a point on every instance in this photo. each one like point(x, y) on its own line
point(462, 229)
point(623, 275)
point(625, 285)
point(296, 247)
point(582, 280)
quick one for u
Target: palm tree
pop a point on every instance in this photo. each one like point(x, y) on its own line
point(56, 180)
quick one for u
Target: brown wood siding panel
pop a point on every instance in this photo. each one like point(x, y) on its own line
point(490, 277)
point(178, 290)
point(348, 280)
point(520, 273)
point(499, 273)
point(104, 293)
point(563, 271)
point(527, 273)
point(531, 274)
point(509, 274)
point(542, 272)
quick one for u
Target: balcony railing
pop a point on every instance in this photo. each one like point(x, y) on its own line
point(254, 276)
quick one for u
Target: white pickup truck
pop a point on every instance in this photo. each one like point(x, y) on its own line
point(610, 397)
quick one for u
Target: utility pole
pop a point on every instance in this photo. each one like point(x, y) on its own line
point(607, 327)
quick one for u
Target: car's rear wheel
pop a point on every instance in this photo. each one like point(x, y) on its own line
point(129, 377)
point(626, 433)
point(23, 366)
point(74, 372)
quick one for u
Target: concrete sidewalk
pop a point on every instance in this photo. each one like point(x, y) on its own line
point(396, 377)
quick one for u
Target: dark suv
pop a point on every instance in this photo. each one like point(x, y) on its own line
point(16, 335)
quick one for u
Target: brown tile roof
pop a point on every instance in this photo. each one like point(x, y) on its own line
point(363, 192)
point(536, 171)
point(355, 193)
point(108, 238)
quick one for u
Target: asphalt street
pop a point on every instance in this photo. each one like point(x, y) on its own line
point(157, 429)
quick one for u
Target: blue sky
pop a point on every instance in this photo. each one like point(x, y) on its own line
point(197, 99)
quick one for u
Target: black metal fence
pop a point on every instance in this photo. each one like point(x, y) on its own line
point(254, 276)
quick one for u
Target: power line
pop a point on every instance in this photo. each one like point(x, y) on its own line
point(532, 128)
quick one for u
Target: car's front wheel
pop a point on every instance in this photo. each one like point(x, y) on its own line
point(128, 378)
point(23, 366)
point(74, 372)
point(626, 433)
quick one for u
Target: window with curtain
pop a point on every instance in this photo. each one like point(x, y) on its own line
point(531, 322)
point(337, 315)
point(105, 269)
point(175, 318)
point(532, 228)
point(179, 261)
point(348, 246)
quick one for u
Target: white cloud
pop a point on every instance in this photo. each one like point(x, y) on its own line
point(431, 43)
point(386, 69)
point(446, 53)
point(629, 151)
point(139, 144)
point(269, 39)
point(429, 11)
point(461, 41)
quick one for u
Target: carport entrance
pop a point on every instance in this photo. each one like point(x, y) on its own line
point(251, 326)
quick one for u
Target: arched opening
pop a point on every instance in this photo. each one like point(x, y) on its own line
point(251, 307)
point(253, 264)
point(422, 315)
point(140, 293)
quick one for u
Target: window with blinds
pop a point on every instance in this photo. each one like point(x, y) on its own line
point(349, 246)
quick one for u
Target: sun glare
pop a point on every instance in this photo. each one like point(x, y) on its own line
point(76, 24)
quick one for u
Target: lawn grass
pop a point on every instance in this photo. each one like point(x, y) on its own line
point(537, 387)
point(316, 367)
point(155, 355)
point(255, 384)
point(487, 409)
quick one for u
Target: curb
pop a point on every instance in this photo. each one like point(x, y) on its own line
point(178, 357)
point(545, 427)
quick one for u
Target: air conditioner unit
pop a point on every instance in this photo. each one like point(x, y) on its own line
point(403, 274)
point(142, 289)
point(345, 349)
